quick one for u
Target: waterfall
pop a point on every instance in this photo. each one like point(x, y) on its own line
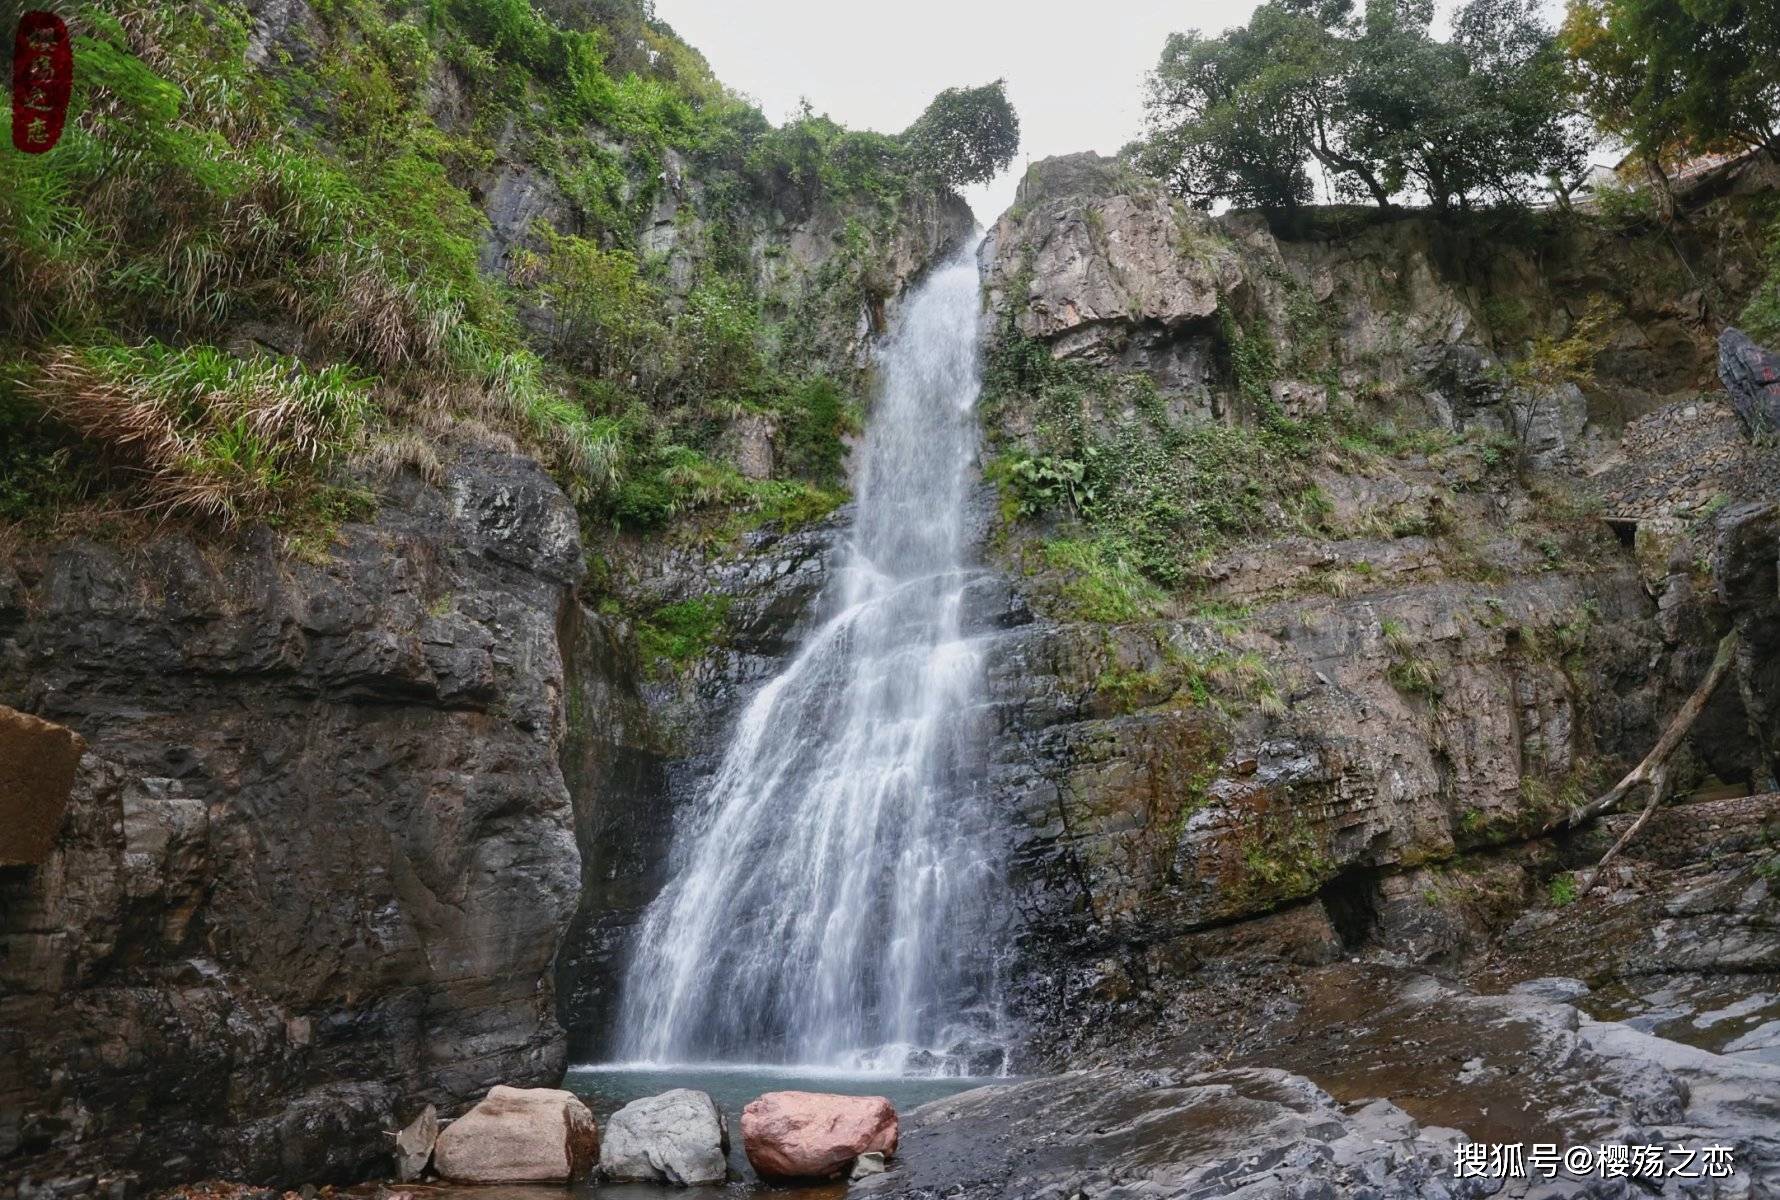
point(831, 901)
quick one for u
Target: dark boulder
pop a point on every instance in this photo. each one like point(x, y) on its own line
point(1751, 374)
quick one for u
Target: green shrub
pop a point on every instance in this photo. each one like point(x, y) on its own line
point(1626, 208)
point(1761, 315)
point(673, 635)
point(1031, 486)
point(818, 415)
point(1100, 582)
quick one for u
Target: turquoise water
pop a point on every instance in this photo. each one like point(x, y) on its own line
point(607, 1088)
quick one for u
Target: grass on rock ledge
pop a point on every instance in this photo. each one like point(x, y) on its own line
point(199, 204)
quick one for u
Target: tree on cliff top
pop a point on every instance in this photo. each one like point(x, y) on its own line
point(1227, 113)
point(967, 135)
point(1371, 97)
point(1677, 77)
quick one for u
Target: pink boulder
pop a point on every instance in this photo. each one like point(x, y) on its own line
point(812, 1135)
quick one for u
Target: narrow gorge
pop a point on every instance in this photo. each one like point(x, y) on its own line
point(519, 572)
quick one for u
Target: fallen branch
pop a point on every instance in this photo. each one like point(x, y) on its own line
point(1646, 772)
point(1658, 787)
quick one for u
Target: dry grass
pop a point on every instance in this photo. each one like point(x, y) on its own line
point(201, 431)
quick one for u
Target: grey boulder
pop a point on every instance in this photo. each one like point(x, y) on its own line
point(1751, 374)
point(676, 1137)
point(414, 1145)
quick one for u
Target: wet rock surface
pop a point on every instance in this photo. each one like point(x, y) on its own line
point(320, 853)
point(1368, 1089)
point(1123, 1134)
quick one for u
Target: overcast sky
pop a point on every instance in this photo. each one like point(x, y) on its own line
point(1074, 70)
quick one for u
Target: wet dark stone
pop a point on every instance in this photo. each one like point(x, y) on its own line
point(1751, 375)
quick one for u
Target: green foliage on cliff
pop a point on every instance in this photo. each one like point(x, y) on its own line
point(220, 436)
point(1761, 316)
point(1146, 495)
point(1223, 680)
point(304, 201)
point(1283, 859)
point(675, 634)
point(1100, 579)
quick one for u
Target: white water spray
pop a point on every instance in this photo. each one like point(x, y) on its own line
point(830, 905)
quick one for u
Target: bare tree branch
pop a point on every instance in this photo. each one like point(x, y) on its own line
point(1647, 771)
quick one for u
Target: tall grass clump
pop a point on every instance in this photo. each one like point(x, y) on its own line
point(201, 431)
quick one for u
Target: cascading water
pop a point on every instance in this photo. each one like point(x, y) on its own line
point(832, 902)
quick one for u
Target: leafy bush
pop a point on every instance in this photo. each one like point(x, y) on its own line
point(818, 416)
point(1037, 485)
point(1626, 208)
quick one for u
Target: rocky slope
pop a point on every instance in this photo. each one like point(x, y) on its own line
point(1422, 645)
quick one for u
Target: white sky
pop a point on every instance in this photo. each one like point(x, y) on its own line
point(1074, 70)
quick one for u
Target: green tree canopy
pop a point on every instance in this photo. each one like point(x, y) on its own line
point(1371, 98)
point(1679, 76)
point(967, 135)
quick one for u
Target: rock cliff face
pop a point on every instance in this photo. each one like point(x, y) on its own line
point(1106, 268)
point(319, 856)
point(1431, 659)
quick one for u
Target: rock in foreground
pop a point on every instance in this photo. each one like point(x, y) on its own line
point(1170, 1133)
point(813, 1135)
point(414, 1145)
point(676, 1137)
point(519, 1135)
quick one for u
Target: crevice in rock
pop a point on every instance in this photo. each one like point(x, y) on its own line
point(1351, 900)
